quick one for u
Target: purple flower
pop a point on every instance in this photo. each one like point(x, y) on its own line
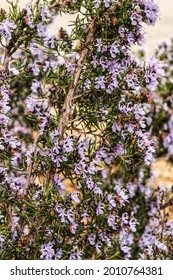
point(99, 45)
point(100, 82)
point(112, 201)
point(116, 127)
point(73, 228)
point(126, 240)
point(132, 223)
point(50, 42)
point(75, 196)
point(68, 145)
point(35, 86)
point(98, 247)
point(122, 195)
point(47, 251)
point(125, 248)
point(97, 3)
point(100, 209)
point(111, 222)
point(101, 154)
point(55, 153)
point(148, 158)
point(97, 190)
point(113, 51)
point(33, 48)
point(34, 67)
point(82, 148)
point(92, 238)
point(17, 184)
point(58, 254)
point(76, 254)
point(132, 188)
point(130, 128)
point(153, 72)
point(112, 86)
point(6, 29)
point(91, 168)
point(118, 150)
point(59, 184)
point(130, 38)
point(45, 13)
point(70, 215)
point(85, 216)
point(107, 3)
point(4, 120)
point(136, 18)
point(1, 242)
point(104, 63)
point(95, 61)
point(125, 219)
point(151, 10)
point(46, 66)
point(79, 168)
point(61, 213)
point(41, 30)
point(89, 183)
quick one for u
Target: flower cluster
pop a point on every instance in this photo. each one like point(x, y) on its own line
point(157, 239)
point(75, 148)
point(160, 103)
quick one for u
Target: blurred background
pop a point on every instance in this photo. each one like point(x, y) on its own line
point(162, 30)
point(164, 26)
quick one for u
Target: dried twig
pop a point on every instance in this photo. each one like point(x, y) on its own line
point(9, 213)
point(28, 181)
point(30, 167)
point(56, 4)
point(67, 108)
point(6, 59)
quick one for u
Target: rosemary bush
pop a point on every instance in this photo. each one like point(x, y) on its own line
point(76, 142)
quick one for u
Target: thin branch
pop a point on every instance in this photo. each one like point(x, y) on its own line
point(77, 119)
point(30, 167)
point(10, 2)
point(68, 104)
point(6, 59)
point(56, 4)
point(35, 4)
point(9, 213)
point(27, 184)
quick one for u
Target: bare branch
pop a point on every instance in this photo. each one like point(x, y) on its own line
point(67, 108)
point(56, 4)
point(30, 167)
point(6, 59)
